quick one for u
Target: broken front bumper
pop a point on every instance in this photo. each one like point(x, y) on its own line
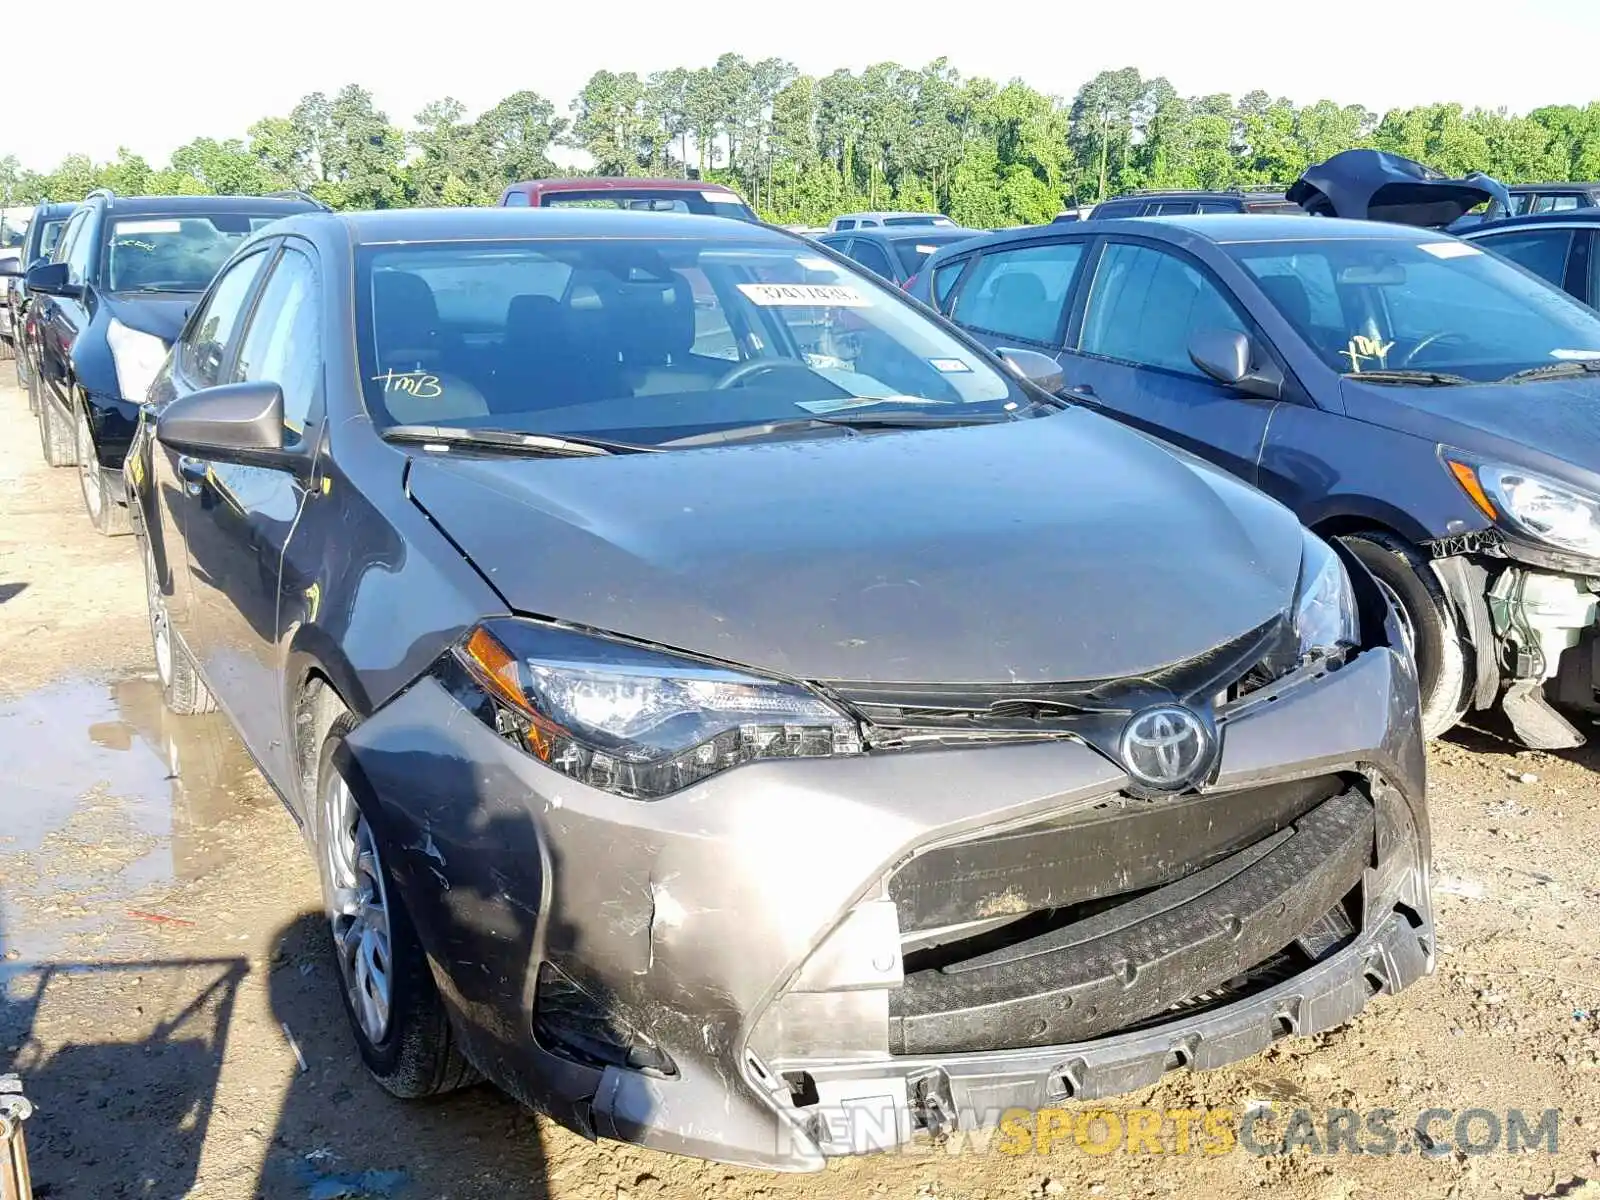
point(833, 954)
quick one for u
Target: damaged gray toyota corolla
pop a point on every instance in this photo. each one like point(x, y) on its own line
point(737, 715)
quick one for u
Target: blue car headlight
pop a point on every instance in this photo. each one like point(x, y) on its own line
point(640, 722)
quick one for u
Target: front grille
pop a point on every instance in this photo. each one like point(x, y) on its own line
point(1206, 936)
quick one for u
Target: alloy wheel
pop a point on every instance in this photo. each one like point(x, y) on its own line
point(358, 908)
point(89, 470)
point(160, 622)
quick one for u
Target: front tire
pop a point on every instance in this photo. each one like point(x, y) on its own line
point(389, 996)
point(184, 692)
point(105, 513)
point(1440, 653)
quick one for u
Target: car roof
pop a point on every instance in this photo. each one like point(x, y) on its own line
point(611, 183)
point(890, 212)
point(505, 224)
point(1221, 228)
point(54, 210)
point(177, 206)
point(904, 233)
point(1566, 216)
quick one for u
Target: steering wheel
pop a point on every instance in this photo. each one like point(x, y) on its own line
point(757, 366)
point(1429, 339)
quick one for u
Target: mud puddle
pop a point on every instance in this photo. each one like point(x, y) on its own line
point(106, 797)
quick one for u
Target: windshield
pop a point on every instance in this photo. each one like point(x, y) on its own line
point(913, 252)
point(173, 254)
point(1444, 306)
point(706, 203)
point(648, 340)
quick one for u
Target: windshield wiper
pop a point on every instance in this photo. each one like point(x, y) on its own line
point(509, 441)
point(1576, 369)
point(847, 421)
point(1412, 378)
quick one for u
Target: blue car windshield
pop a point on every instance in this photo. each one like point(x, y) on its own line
point(648, 340)
point(1437, 306)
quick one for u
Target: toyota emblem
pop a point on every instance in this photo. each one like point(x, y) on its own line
point(1166, 747)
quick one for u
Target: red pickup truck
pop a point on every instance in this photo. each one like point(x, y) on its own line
point(646, 195)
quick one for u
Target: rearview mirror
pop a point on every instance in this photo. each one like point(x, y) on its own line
point(50, 279)
point(233, 422)
point(10, 264)
point(1038, 369)
point(1227, 355)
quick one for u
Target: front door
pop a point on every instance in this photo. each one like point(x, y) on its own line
point(1129, 357)
point(240, 521)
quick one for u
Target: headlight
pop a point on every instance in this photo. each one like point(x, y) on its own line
point(639, 722)
point(138, 357)
point(1541, 508)
point(1325, 619)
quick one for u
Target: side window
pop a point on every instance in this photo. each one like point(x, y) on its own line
point(68, 236)
point(1520, 202)
point(1544, 253)
point(1020, 293)
point(871, 256)
point(1556, 203)
point(282, 343)
point(210, 334)
point(1168, 207)
point(1120, 208)
point(515, 200)
point(81, 252)
point(1216, 206)
point(1144, 304)
point(844, 224)
point(945, 279)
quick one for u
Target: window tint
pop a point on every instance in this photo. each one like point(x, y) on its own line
point(1144, 304)
point(1020, 293)
point(80, 253)
point(1543, 252)
point(1120, 208)
point(945, 280)
point(211, 334)
point(844, 224)
point(282, 342)
point(871, 256)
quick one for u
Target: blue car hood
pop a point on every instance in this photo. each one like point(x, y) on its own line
point(161, 314)
point(1054, 549)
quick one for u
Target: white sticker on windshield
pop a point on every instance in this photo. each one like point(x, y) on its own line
point(926, 249)
point(950, 366)
point(812, 263)
point(124, 228)
point(845, 403)
point(806, 295)
point(1575, 355)
point(1449, 249)
point(720, 197)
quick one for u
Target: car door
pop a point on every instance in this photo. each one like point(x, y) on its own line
point(1556, 254)
point(240, 522)
point(179, 483)
point(62, 318)
point(1019, 294)
point(1130, 353)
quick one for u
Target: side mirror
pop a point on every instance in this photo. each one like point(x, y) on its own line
point(1038, 369)
point(1226, 356)
point(233, 422)
point(10, 265)
point(50, 279)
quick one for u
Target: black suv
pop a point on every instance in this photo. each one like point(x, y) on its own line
point(38, 242)
point(1533, 199)
point(1166, 204)
point(106, 309)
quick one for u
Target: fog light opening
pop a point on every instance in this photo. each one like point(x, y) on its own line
point(570, 1022)
point(802, 1089)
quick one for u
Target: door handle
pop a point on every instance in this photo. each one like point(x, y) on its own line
point(192, 470)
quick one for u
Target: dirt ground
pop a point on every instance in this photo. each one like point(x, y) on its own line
point(164, 972)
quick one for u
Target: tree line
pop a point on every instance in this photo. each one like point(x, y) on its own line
point(801, 148)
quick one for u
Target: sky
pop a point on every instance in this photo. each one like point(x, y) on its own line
point(153, 76)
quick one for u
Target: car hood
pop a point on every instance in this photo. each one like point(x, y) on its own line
point(1058, 549)
point(162, 314)
point(1552, 425)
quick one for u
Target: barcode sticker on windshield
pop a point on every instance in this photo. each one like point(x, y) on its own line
point(1448, 249)
point(950, 366)
point(721, 197)
point(808, 295)
point(1575, 355)
point(124, 228)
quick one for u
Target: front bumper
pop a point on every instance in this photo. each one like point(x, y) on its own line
point(750, 926)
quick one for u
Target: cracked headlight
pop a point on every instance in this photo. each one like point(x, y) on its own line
point(1541, 508)
point(640, 722)
point(138, 357)
point(1323, 621)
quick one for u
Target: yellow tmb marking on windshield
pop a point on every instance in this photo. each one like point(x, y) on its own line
point(413, 383)
point(1363, 348)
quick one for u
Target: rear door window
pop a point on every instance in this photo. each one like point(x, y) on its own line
point(1174, 207)
point(1543, 251)
point(1556, 202)
point(872, 256)
point(844, 224)
point(1020, 293)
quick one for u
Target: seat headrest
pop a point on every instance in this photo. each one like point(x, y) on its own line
point(654, 321)
point(1290, 297)
point(405, 313)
